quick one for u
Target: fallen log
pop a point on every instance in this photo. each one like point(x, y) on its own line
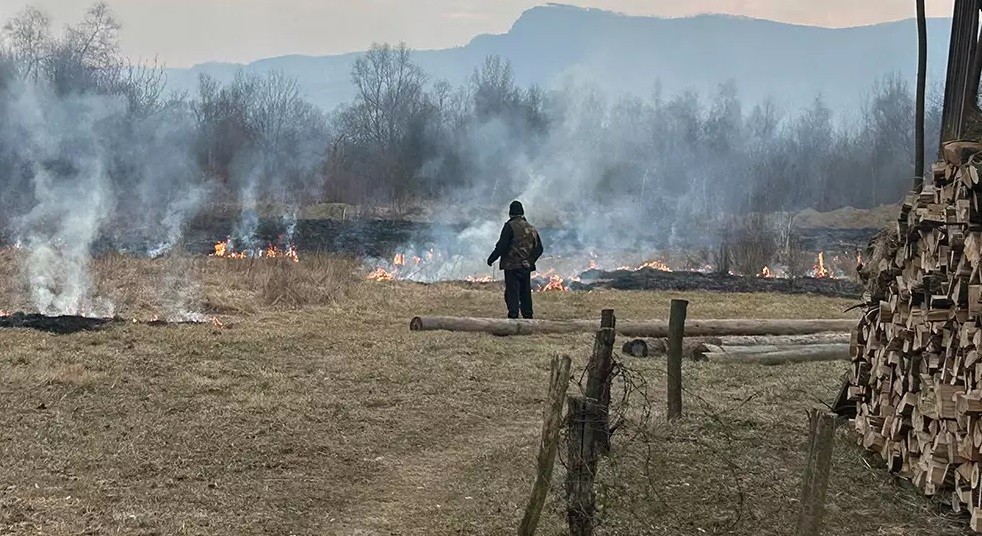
point(769, 348)
point(651, 328)
point(653, 347)
point(804, 354)
point(691, 348)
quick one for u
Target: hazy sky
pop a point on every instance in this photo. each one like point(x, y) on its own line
point(185, 32)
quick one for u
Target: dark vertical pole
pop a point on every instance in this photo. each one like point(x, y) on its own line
point(676, 331)
point(921, 89)
point(821, 436)
point(583, 423)
point(599, 368)
point(961, 58)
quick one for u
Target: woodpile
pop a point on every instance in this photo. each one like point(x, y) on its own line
point(916, 376)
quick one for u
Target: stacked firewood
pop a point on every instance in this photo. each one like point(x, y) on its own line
point(917, 352)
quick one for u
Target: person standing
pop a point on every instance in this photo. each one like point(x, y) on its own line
point(518, 247)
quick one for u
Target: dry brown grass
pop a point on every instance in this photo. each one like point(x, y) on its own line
point(176, 285)
point(335, 419)
point(881, 217)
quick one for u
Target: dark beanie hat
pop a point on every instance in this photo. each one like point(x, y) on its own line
point(516, 209)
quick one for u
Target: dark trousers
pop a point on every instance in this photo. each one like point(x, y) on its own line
point(518, 293)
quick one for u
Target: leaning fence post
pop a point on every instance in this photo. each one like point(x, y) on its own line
point(585, 422)
point(599, 368)
point(676, 331)
point(821, 438)
point(552, 422)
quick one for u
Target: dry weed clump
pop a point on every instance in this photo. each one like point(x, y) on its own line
point(238, 285)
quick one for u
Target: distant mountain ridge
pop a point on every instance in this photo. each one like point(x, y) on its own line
point(627, 54)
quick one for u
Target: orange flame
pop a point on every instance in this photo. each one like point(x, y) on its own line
point(555, 284)
point(766, 272)
point(820, 270)
point(657, 265)
point(379, 274)
point(223, 249)
point(220, 248)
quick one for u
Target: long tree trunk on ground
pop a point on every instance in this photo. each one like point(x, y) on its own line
point(650, 328)
point(921, 88)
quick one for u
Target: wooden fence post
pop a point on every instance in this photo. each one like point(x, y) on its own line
point(552, 421)
point(821, 438)
point(676, 332)
point(598, 374)
point(585, 422)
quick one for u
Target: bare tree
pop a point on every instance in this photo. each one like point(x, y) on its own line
point(494, 88)
point(28, 37)
point(87, 58)
point(388, 116)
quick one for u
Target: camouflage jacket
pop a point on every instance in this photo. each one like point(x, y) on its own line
point(519, 245)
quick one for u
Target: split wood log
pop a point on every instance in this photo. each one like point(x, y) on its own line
point(546, 460)
point(802, 354)
point(651, 328)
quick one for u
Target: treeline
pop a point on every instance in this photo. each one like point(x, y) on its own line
point(71, 105)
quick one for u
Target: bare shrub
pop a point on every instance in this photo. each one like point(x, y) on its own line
point(754, 244)
point(792, 255)
point(723, 250)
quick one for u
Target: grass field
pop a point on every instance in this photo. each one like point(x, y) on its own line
point(314, 410)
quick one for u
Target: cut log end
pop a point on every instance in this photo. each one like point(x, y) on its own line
point(635, 348)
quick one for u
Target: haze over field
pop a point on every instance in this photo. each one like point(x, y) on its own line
point(611, 127)
point(255, 29)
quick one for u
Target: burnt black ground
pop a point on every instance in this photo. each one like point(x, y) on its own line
point(68, 324)
point(60, 325)
point(651, 279)
point(383, 238)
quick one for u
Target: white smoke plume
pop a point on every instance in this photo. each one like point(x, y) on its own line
point(71, 192)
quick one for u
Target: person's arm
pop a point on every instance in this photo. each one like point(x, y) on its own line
point(503, 245)
point(538, 249)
